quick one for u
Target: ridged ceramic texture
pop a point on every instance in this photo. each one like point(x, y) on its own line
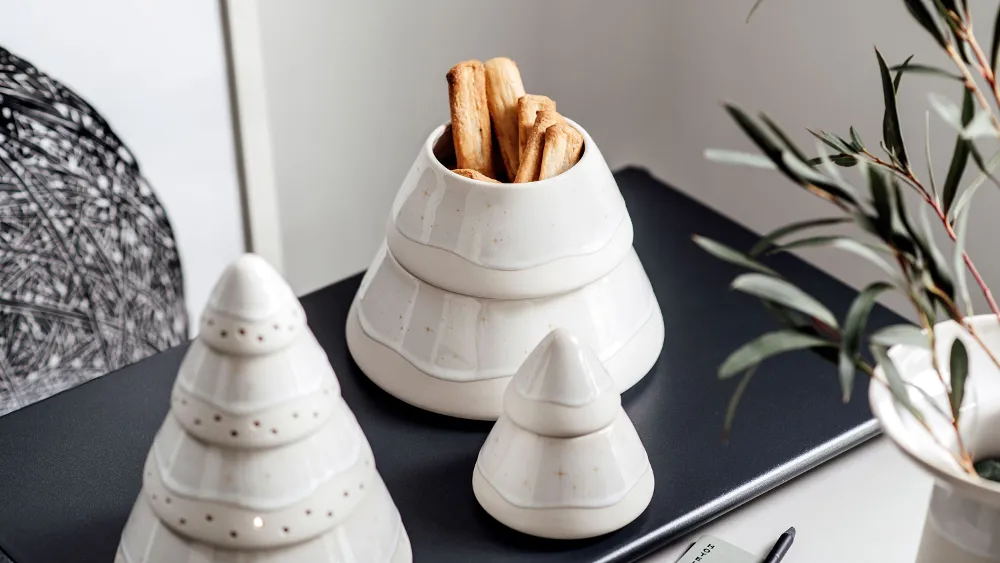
point(260, 459)
point(562, 389)
point(147, 540)
point(591, 471)
point(511, 227)
point(459, 338)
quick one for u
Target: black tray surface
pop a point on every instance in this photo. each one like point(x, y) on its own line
point(70, 466)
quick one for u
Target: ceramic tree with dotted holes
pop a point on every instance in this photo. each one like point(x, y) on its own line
point(259, 459)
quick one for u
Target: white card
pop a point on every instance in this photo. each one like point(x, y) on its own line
point(710, 549)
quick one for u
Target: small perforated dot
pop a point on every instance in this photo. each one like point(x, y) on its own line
point(329, 514)
point(256, 423)
point(260, 338)
point(197, 422)
point(209, 518)
point(243, 331)
point(233, 534)
point(217, 418)
point(223, 333)
point(309, 512)
point(286, 529)
point(315, 415)
point(167, 500)
point(295, 415)
point(346, 494)
point(274, 431)
point(277, 327)
point(234, 433)
point(182, 521)
point(211, 322)
point(361, 486)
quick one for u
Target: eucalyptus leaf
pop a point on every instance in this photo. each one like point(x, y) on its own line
point(959, 363)
point(923, 16)
point(756, 133)
point(734, 401)
point(935, 259)
point(864, 250)
point(960, 156)
point(832, 141)
point(809, 176)
point(739, 158)
point(766, 346)
point(854, 327)
point(927, 69)
point(727, 254)
point(784, 293)
point(958, 260)
point(899, 74)
point(784, 138)
point(754, 9)
point(768, 240)
point(859, 145)
point(906, 334)
point(891, 132)
point(895, 382)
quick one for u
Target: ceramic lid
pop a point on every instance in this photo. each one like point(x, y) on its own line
point(562, 389)
point(251, 310)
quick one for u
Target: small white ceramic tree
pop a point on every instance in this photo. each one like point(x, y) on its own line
point(563, 461)
point(260, 460)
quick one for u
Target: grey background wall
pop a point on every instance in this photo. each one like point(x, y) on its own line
point(354, 88)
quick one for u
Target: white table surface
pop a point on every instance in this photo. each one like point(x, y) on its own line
point(866, 506)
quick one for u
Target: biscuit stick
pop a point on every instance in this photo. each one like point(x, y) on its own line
point(470, 118)
point(472, 174)
point(563, 145)
point(530, 164)
point(527, 108)
point(503, 88)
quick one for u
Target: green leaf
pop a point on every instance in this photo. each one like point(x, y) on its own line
point(988, 469)
point(923, 16)
point(739, 158)
point(784, 138)
point(805, 174)
point(932, 255)
point(766, 346)
point(899, 74)
point(867, 251)
point(927, 69)
point(968, 121)
point(970, 191)
point(896, 384)
point(996, 42)
point(958, 260)
point(756, 133)
point(908, 335)
point(959, 371)
point(832, 141)
point(774, 236)
point(844, 160)
point(859, 145)
point(754, 9)
point(784, 293)
point(734, 401)
point(959, 158)
point(854, 327)
point(891, 131)
point(727, 254)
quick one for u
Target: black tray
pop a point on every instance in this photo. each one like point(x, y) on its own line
point(70, 466)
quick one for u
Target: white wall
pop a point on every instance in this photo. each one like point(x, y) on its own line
point(157, 72)
point(354, 88)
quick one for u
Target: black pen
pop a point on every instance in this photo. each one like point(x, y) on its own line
point(781, 547)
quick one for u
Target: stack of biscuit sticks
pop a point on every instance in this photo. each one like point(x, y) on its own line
point(500, 134)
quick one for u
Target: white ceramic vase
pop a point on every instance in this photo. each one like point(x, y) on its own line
point(563, 461)
point(473, 275)
point(260, 460)
point(963, 518)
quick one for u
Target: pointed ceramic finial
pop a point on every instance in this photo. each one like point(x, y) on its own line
point(563, 461)
point(251, 310)
point(562, 389)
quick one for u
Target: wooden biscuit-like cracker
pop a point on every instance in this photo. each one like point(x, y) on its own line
point(503, 89)
point(528, 107)
point(533, 150)
point(473, 175)
point(563, 147)
point(470, 117)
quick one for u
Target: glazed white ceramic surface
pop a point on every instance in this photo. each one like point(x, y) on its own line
point(590, 476)
point(259, 450)
point(617, 316)
point(459, 338)
point(509, 241)
point(562, 390)
point(963, 522)
point(373, 534)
